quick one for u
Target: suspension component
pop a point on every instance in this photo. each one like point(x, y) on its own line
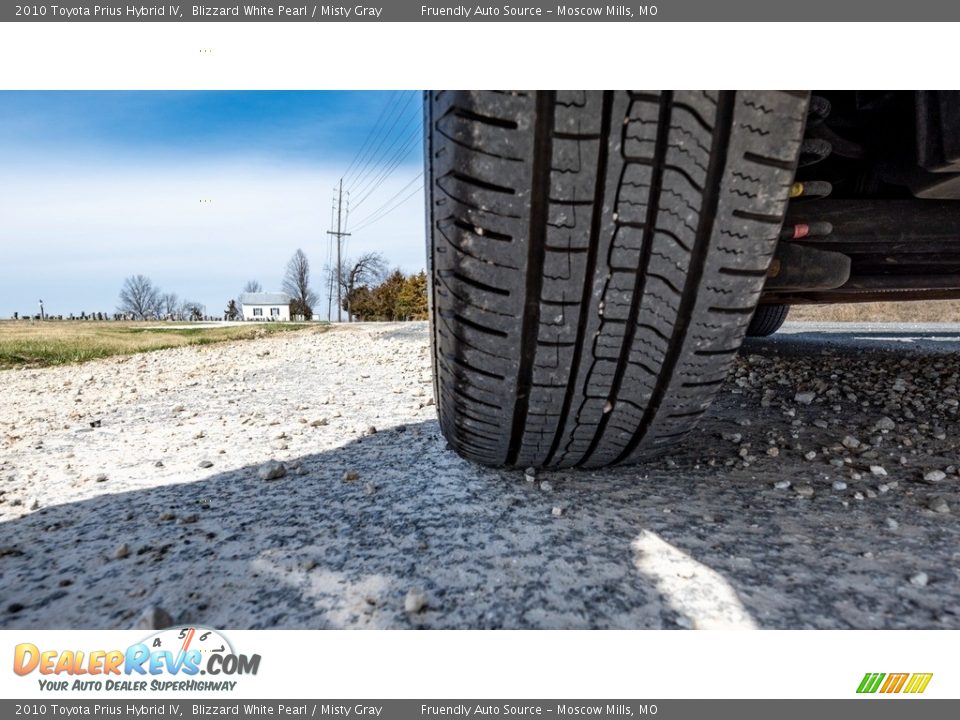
point(803, 268)
point(799, 231)
point(812, 151)
point(812, 189)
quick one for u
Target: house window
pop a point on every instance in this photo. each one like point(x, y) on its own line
point(258, 312)
point(274, 312)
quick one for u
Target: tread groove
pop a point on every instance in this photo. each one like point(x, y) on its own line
point(536, 253)
point(653, 208)
point(467, 280)
point(598, 192)
point(717, 164)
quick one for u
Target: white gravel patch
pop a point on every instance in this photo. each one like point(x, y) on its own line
point(181, 415)
point(300, 480)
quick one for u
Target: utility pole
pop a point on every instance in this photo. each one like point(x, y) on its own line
point(339, 235)
point(333, 209)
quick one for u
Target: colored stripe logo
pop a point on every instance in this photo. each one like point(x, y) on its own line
point(913, 683)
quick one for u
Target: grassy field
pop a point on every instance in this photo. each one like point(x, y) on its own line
point(38, 344)
point(922, 311)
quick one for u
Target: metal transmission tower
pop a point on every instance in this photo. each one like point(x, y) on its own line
point(339, 235)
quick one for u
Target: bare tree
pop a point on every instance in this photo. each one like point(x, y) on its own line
point(170, 304)
point(193, 310)
point(369, 269)
point(250, 286)
point(296, 284)
point(140, 298)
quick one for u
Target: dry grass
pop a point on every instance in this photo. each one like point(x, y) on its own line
point(38, 344)
point(919, 311)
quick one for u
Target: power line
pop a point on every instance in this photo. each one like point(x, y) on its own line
point(362, 181)
point(346, 220)
point(364, 169)
point(339, 235)
point(392, 164)
point(363, 146)
point(383, 150)
point(386, 212)
point(380, 129)
point(390, 199)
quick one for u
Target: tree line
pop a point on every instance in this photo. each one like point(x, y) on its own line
point(142, 299)
point(368, 291)
point(396, 297)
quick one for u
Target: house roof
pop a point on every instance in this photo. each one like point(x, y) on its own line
point(264, 299)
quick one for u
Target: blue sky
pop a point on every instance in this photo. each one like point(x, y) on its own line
point(96, 186)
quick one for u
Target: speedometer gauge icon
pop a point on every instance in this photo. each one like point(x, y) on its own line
point(183, 639)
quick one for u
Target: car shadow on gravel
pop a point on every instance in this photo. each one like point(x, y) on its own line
point(395, 531)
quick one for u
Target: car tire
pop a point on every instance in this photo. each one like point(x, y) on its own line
point(595, 258)
point(767, 320)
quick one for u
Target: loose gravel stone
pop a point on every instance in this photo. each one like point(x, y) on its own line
point(415, 601)
point(850, 442)
point(919, 579)
point(839, 485)
point(122, 551)
point(205, 464)
point(805, 398)
point(546, 486)
point(530, 474)
point(934, 476)
point(885, 424)
point(272, 470)
point(557, 512)
point(938, 504)
point(781, 484)
point(804, 491)
point(153, 618)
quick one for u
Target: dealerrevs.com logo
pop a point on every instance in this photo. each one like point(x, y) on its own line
point(889, 683)
point(169, 660)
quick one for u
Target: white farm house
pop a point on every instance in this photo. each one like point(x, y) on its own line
point(265, 306)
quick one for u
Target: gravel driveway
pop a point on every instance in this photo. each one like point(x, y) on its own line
point(822, 491)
